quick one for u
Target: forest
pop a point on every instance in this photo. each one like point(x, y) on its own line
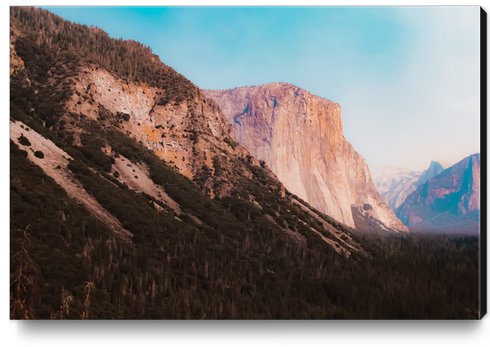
point(237, 264)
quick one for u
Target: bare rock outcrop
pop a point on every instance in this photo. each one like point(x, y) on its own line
point(299, 136)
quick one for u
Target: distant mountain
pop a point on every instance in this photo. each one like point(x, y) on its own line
point(448, 201)
point(395, 184)
point(434, 169)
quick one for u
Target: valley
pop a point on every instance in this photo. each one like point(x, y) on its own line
point(134, 194)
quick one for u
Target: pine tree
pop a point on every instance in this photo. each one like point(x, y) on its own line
point(23, 281)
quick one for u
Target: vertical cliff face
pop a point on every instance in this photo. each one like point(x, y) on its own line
point(299, 136)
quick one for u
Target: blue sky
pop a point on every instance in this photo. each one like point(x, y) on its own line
point(407, 78)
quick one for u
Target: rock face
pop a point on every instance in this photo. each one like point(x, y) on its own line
point(449, 200)
point(299, 136)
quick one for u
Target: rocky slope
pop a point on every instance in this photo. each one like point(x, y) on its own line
point(193, 136)
point(449, 200)
point(188, 135)
point(299, 136)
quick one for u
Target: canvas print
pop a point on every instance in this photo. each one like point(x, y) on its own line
point(246, 163)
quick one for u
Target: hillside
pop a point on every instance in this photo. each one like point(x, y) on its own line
point(131, 199)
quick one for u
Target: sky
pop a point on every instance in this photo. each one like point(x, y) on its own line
point(407, 78)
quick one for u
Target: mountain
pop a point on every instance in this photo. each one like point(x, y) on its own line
point(394, 184)
point(124, 176)
point(130, 198)
point(448, 201)
point(299, 136)
point(434, 169)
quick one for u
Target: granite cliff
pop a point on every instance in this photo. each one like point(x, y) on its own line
point(299, 136)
